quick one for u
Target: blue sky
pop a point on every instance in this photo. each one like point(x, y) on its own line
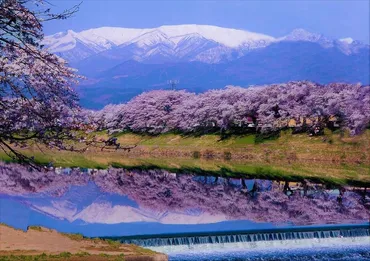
point(335, 19)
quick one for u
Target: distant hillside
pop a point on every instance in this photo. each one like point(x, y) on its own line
point(120, 63)
point(279, 62)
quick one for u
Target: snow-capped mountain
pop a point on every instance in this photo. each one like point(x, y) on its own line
point(174, 43)
point(120, 63)
point(178, 42)
point(305, 36)
point(107, 37)
point(345, 45)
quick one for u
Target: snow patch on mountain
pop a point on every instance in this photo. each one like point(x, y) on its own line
point(302, 35)
point(229, 37)
point(306, 36)
point(152, 38)
point(115, 35)
point(347, 40)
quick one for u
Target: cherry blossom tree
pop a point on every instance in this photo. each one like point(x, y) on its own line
point(270, 108)
point(36, 98)
point(151, 112)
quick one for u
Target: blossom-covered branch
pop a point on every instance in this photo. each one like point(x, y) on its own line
point(36, 97)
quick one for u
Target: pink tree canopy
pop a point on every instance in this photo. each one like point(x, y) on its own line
point(36, 98)
point(270, 108)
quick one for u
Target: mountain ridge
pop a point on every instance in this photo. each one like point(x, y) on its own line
point(277, 63)
point(219, 44)
point(121, 63)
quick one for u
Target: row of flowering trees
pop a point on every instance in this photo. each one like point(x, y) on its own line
point(266, 108)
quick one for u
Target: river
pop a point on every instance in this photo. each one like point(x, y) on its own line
point(191, 217)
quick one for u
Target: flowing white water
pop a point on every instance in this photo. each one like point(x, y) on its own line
point(266, 244)
point(250, 236)
point(271, 245)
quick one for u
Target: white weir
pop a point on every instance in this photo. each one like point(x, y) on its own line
point(257, 241)
point(264, 245)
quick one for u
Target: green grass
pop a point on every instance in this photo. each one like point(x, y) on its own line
point(60, 159)
point(37, 228)
point(76, 237)
point(82, 256)
point(245, 140)
point(333, 158)
point(113, 244)
point(6, 225)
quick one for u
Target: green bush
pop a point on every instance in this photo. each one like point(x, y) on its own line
point(196, 154)
point(208, 154)
point(37, 228)
point(227, 155)
point(262, 137)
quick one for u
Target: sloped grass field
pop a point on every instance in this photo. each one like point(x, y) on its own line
point(331, 158)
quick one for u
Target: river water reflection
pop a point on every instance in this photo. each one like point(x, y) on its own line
point(119, 202)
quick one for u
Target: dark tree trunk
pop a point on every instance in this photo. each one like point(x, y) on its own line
point(287, 188)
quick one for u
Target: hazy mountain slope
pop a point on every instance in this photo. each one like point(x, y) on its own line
point(123, 62)
point(288, 61)
point(279, 62)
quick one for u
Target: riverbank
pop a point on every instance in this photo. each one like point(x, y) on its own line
point(39, 243)
point(332, 158)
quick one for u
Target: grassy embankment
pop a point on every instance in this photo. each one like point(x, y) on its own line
point(330, 158)
point(42, 244)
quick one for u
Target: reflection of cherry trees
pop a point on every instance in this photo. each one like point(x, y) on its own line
point(162, 191)
point(235, 108)
point(21, 180)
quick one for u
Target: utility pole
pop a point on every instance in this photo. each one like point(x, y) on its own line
point(173, 84)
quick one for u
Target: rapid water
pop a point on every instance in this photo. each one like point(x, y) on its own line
point(321, 244)
point(317, 253)
point(274, 235)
